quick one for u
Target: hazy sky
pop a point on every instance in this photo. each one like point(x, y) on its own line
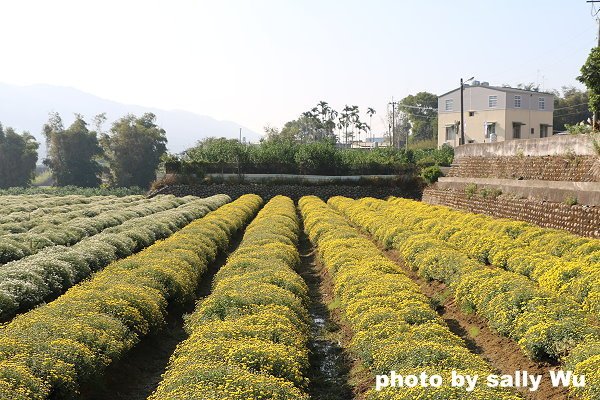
point(264, 62)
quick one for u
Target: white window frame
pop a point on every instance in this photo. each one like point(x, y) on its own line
point(490, 129)
point(517, 101)
point(449, 105)
point(492, 101)
point(542, 103)
point(450, 132)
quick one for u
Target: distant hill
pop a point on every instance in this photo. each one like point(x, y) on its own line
point(27, 108)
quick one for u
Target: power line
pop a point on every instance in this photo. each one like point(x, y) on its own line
point(594, 12)
point(593, 2)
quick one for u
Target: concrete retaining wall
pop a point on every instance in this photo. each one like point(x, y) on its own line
point(585, 192)
point(554, 145)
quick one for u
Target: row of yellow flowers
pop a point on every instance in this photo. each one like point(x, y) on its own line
point(48, 352)
point(543, 324)
point(557, 260)
point(248, 338)
point(395, 328)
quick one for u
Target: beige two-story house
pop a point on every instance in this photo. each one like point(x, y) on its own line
point(493, 113)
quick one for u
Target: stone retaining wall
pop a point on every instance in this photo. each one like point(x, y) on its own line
point(409, 190)
point(574, 168)
point(579, 219)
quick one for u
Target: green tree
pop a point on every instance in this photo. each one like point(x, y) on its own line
point(590, 76)
point(72, 153)
point(570, 107)
point(134, 147)
point(278, 156)
point(18, 156)
point(421, 110)
point(347, 119)
point(316, 158)
point(290, 131)
point(218, 153)
point(323, 123)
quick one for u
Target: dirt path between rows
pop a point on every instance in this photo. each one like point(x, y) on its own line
point(329, 363)
point(138, 374)
point(501, 352)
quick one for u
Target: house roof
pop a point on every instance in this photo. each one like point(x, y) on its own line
point(498, 88)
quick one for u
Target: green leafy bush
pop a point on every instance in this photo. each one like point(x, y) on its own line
point(431, 174)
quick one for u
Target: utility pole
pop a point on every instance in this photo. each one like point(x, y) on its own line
point(595, 114)
point(406, 148)
point(393, 103)
point(461, 141)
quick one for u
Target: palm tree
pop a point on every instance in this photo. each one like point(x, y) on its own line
point(355, 120)
point(345, 121)
point(370, 113)
point(362, 126)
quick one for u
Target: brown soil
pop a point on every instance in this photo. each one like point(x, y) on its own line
point(501, 352)
point(359, 377)
point(138, 374)
point(329, 363)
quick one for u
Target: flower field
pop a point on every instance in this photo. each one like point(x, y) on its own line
point(395, 329)
point(101, 239)
point(545, 324)
point(207, 298)
point(248, 339)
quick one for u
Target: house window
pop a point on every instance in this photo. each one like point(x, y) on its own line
point(517, 101)
point(490, 130)
point(544, 130)
point(471, 113)
point(516, 130)
point(492, 101)
point(451, 132)
point(542, 103)
point(449, 104)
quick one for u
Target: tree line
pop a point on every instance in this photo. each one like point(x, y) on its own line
point(282, 155)
point(415, 118)
point(127, 155)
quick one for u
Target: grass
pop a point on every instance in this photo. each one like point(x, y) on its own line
point(440, 298)
point(43, 179)
point(473, 331)
point(334, 304)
